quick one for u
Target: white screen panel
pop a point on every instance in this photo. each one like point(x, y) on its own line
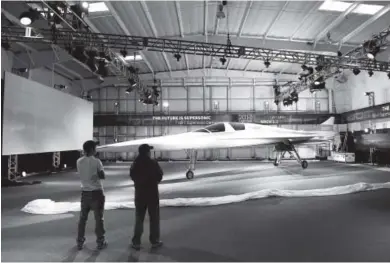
point(41, 119)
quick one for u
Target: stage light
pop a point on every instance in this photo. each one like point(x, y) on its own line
point(24, 174)
point(356, 71)
point(132, 82)
point(102, 69)
point(128, 90)
point(65, 166)
point(370, 73)
point(85, 5)
point(371, 49)
point(178, 57)
point(123, 53)
point(91, 61)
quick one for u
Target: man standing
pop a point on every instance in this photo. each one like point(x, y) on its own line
point(92, 197)
point(146, 174)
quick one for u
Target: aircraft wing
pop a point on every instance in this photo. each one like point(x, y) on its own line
point(203, 141)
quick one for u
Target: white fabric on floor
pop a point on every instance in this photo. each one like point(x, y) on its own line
point(47, 206)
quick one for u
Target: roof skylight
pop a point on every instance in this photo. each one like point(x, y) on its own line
point(339, 6)
point(367, 9)
point(97, 7)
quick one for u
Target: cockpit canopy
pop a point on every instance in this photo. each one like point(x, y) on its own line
point(222, 127)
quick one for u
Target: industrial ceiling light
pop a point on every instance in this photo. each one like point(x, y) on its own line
point(223, 60)
point(267, 63)
point(178, 57)
point(28, 17)
point(356, 71)
point(370, 73)
point(220, 13)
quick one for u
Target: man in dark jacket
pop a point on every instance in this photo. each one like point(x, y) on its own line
point(146, 174)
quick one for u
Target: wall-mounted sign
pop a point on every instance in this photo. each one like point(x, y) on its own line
point(203, 120)
point(371, 113)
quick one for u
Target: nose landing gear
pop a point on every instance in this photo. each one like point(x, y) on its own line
point(282, 148)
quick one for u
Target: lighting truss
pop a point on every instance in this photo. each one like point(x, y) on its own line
point(118, 66)
point(380, 40)
point(64, 37)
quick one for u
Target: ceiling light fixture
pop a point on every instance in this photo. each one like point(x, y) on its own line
point(28, 17)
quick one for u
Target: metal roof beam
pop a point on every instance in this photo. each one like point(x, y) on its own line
point(275, 20)
point(206, 14)
point(335, 22)
point(180, 22)
point(154, 30)
point(245, 17)
point(372, 19)
point(314, 8)
point(126, 31)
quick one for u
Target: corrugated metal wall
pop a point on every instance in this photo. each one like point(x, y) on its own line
point(200, 96)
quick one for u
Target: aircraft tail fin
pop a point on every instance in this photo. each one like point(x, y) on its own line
point(329, 121)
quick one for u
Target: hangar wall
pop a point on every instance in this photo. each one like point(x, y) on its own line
point(350, 95)
point(6, 61)
point(47, 78)
point(200, 95)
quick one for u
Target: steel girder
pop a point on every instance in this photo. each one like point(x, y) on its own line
point(64, 37)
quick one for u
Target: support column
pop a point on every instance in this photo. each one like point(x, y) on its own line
point(56, 160)
point(13, 167)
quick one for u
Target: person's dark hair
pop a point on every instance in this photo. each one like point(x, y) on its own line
point(144, 149)
point(89, 146)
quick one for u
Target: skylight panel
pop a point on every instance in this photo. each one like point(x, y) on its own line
point(337, 6)
point(131, 57)
point(367, 9)
point(97, 7)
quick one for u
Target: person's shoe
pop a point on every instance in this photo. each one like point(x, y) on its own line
point(102, 245)
point(157, 244)
point(80, 243)
point(136, 246)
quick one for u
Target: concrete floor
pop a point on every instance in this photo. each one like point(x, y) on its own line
point(352, 227)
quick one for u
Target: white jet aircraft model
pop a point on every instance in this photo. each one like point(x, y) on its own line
point(229, 135)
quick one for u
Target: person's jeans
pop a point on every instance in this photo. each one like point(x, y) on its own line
point(153, 208)
point(92, 200)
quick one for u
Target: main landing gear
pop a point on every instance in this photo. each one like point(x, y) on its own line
point(282, 148)
point(193, 155)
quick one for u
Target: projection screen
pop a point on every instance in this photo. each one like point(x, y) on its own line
point(38, 119)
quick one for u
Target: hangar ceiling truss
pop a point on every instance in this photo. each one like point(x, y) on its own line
point(64, 37)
